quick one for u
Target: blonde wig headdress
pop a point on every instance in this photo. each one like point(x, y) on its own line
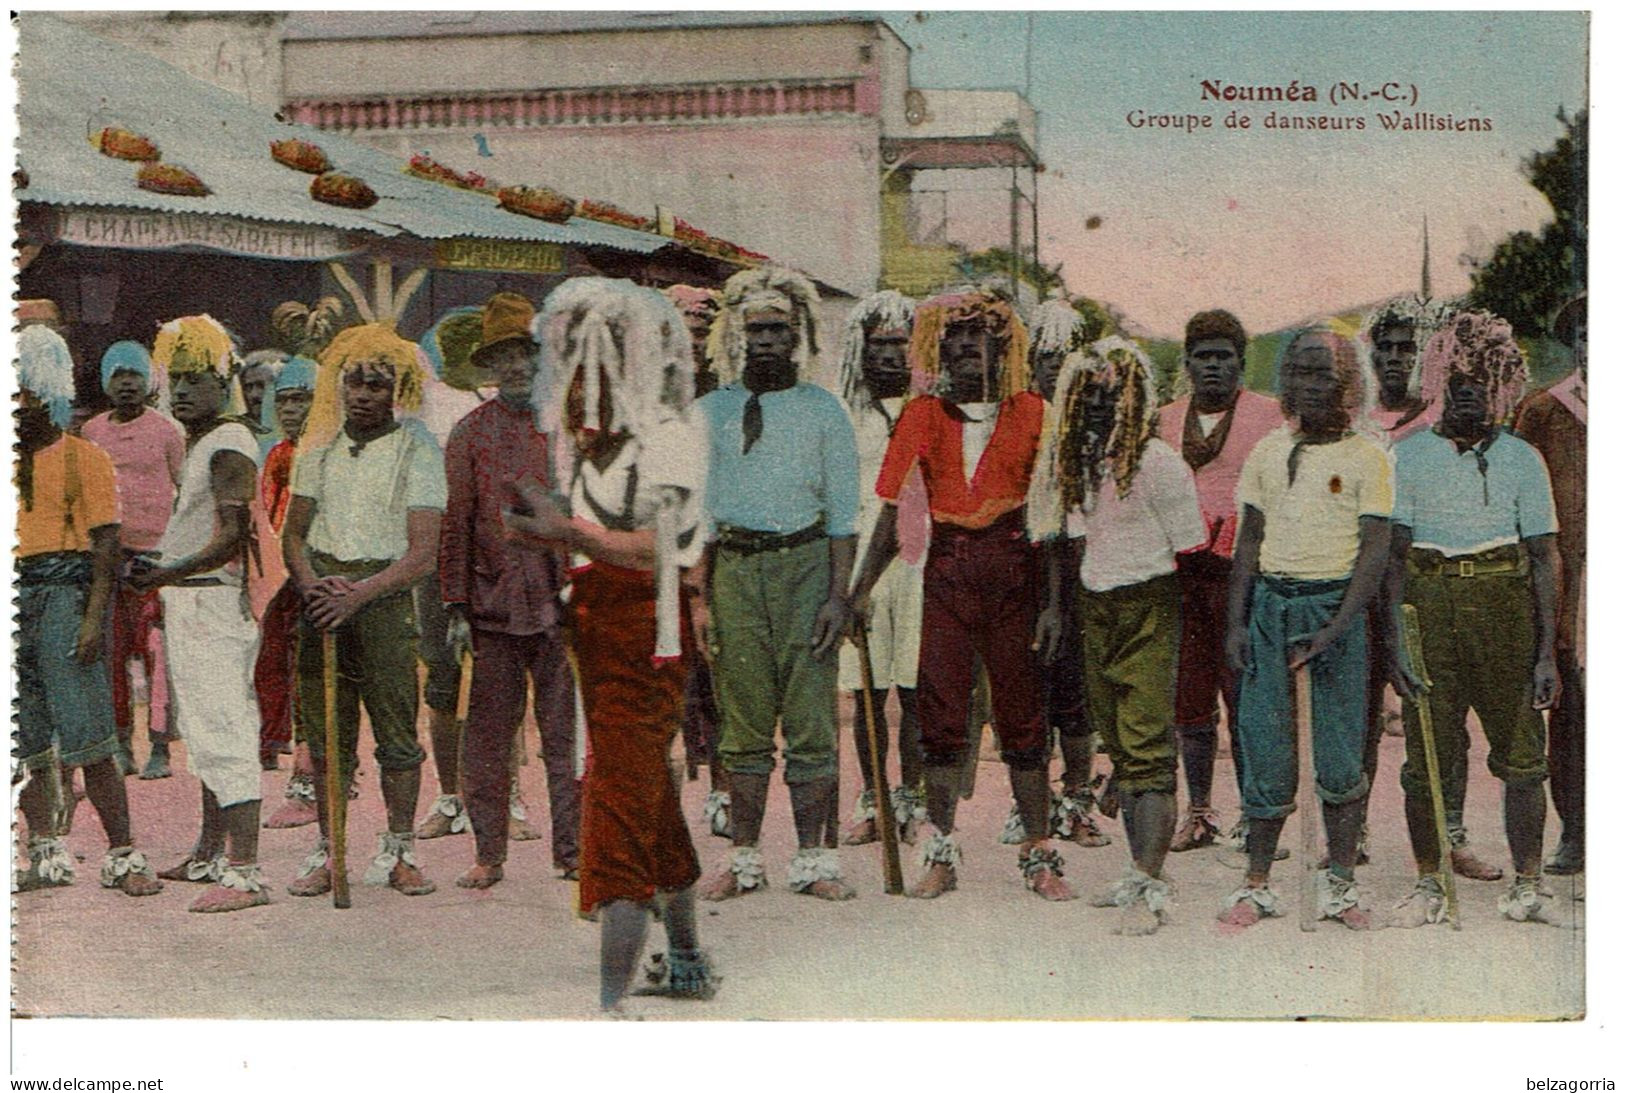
point(770, 288)
point(932, 320)
point(631, 340)
point(194, 344)
point(1075, 465)
point(1423, 315)
point(885, 310)
point(1480, 345)
point(45, 370)
point(371, 342)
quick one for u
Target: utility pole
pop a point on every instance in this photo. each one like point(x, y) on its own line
point(1028, 93)
point(1015, 232)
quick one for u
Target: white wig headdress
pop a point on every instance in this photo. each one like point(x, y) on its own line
point(884, 310)
point(632, 340)
point(45, 370)
point(1056, 327)
point(770, 288)
point(1424, 316)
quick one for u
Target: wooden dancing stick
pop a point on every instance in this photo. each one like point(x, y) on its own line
point(338, 798)
point(1303, 722)
point(1424, 715)
point(465, 686)
point(884, 819)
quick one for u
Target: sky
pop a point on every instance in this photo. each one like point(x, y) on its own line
point(1276, 226)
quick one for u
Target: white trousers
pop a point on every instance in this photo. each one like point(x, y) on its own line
point(210, 645)
point(894, 630)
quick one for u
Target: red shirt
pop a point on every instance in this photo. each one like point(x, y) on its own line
point(274, 482)
point(506, 587)
point(930, 435)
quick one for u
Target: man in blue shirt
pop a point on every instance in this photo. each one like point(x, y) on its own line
point(1475, 551)
point(783, 499)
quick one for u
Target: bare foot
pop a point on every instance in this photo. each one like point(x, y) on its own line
point(218, 899)
point(409, 880)
point(1138, 920)
point(1041, 867)
point(317, 883)
point(192, 869)
point(1355, 918)
point(139, 884)
point(1468, 864)
point(1243, 914)
point(740, 875)
point(447, 816)
point(939, 878)
point(834, 890)
point(720, 885)
point(1049, 884)
point(861, 833)
point(480, 876)
point(294, 812)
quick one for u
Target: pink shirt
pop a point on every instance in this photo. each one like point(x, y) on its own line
point(1255, 416)
point(147, 455)
point(1390, 432)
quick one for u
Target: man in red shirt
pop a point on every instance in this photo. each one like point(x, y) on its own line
point(502, 600)
point(974, 435)
point(1554, 421)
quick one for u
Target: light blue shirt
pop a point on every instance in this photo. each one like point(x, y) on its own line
point(1451, 507)
point(803, 469)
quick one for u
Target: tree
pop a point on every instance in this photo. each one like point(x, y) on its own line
point(1529, 276)
point(996, 262)
point(1102, 319)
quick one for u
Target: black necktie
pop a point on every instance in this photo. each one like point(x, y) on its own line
point(753, 420)
point(761, 378)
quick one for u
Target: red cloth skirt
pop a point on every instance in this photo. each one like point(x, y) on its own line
point(634, 839)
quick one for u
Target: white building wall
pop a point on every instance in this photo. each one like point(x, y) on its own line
point(240, 52)
point(514, 62)
point(803, 191)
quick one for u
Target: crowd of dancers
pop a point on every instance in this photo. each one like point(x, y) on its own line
point(638, 508)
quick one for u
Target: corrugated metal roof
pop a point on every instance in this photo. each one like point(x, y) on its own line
point(328, 25)
point(72, 83)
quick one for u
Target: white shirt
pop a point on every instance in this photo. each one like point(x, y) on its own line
point(1209, 422)
point(674, 455)
point(872, 428)
point(1129, 540)
point(977, 432)
point(192, 525)
point(362, 499)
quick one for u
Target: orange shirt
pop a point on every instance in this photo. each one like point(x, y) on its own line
point(63, 512)
point(929, 435)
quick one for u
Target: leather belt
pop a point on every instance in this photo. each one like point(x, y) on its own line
point(747, 541)
point(1502, 561)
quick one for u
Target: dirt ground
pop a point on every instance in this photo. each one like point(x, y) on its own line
point(989, 950)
